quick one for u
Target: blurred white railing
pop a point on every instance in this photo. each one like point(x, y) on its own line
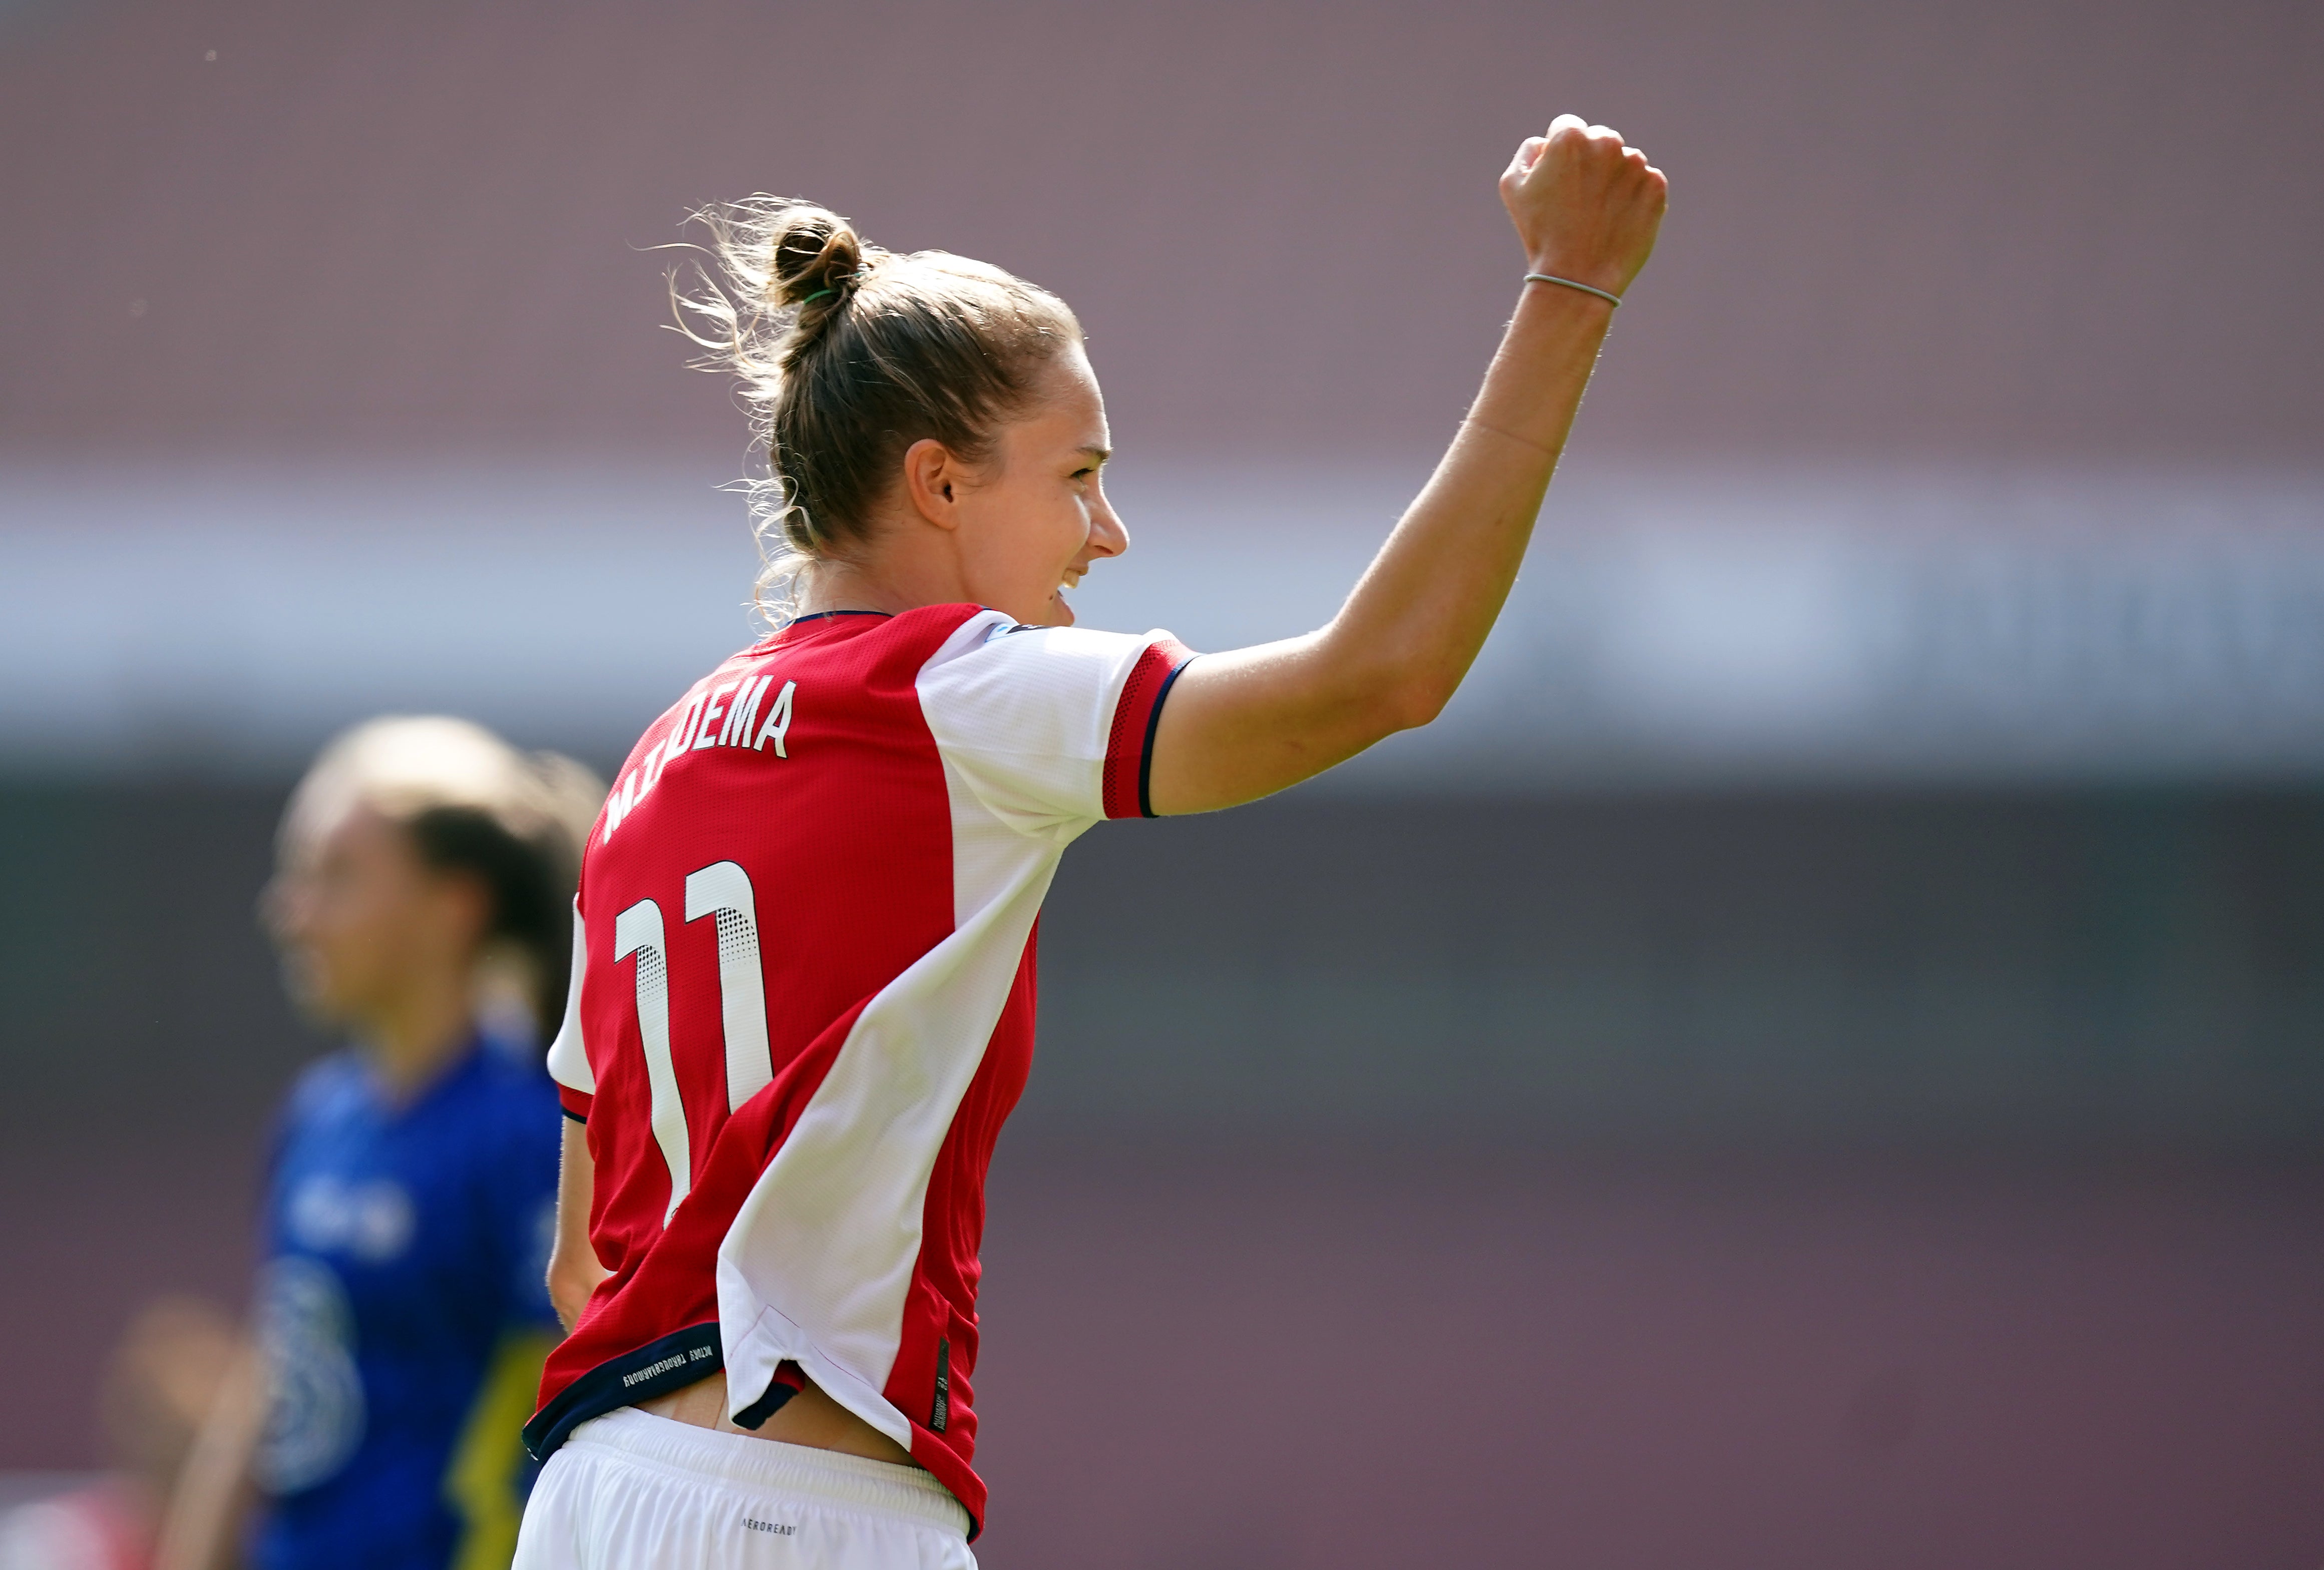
point(1696, 626)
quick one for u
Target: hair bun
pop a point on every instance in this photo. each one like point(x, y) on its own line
point(816, 256)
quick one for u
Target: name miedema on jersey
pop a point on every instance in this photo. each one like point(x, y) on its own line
point(738, 726)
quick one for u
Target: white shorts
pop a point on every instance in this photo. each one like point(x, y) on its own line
point(630, 1491)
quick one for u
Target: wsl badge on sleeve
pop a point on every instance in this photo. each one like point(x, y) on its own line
point(314, 1399)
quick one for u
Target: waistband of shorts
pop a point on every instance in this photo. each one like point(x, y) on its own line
point(798, 1472)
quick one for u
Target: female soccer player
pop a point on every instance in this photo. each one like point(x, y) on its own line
point(802, 950)
point(420, 905)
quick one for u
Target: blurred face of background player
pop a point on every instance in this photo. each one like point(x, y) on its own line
point(1011, 533)
point(373, 940)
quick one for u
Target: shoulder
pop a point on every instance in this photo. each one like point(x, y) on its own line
point(498, 1107)
point(858, 637)
point(941, 635)
point(1007, 675)
point(331, 1087)
point(986, 648)
point(1048, 723)
point(509, 1086)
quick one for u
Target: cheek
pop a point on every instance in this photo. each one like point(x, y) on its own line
point(331, 959)
point(1041, 536)
point(352, 940)
point(1067, 531)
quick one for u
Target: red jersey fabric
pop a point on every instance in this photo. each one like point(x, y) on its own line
point(803, 1005)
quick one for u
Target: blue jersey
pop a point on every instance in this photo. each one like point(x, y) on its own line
point(403, 1315)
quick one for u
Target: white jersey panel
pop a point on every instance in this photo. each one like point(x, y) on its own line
point(819, 1260)
point(569, 1055)
point(1024, 715)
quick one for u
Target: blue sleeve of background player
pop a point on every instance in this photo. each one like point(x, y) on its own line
point(528, 1218)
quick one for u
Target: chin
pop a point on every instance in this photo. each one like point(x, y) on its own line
point(1053, 611)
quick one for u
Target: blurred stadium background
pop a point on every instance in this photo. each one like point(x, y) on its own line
point(1814, 1062)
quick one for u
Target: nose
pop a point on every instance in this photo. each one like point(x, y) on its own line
point(1108, 536)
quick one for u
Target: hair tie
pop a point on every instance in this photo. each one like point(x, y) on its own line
point(856, 278)
point(1613, 299)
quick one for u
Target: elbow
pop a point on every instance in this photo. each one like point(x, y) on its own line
point(569, 1300)
point(1415, 700)
point(570, 1284)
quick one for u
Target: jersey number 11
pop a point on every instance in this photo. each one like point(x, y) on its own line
point(721, 890)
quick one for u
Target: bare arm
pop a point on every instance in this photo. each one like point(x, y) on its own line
point(202, 1523)
point(1246, 723)
point(574, 1271)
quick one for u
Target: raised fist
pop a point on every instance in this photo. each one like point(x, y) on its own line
point(1586, 207)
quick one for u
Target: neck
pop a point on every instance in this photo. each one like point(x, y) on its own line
point(907, 571)
point(412, 1038)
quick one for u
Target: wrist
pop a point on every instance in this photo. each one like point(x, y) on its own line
point(1595, 277)
point(1543, 287)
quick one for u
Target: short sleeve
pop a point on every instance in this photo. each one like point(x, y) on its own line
point(569, 1055)
point(1050, 727)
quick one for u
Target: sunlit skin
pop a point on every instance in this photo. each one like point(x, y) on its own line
point(376, 943)
point(1015, 531)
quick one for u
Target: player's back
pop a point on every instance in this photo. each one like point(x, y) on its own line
point(775, 850)
point(805, 1004)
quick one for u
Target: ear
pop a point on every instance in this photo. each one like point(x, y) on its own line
point(933, 478)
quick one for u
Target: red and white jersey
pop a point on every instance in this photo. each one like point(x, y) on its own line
point(803, 1003)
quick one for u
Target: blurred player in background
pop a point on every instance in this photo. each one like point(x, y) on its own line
point(159, 1384)
point(803, 988)
point(425, 873)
